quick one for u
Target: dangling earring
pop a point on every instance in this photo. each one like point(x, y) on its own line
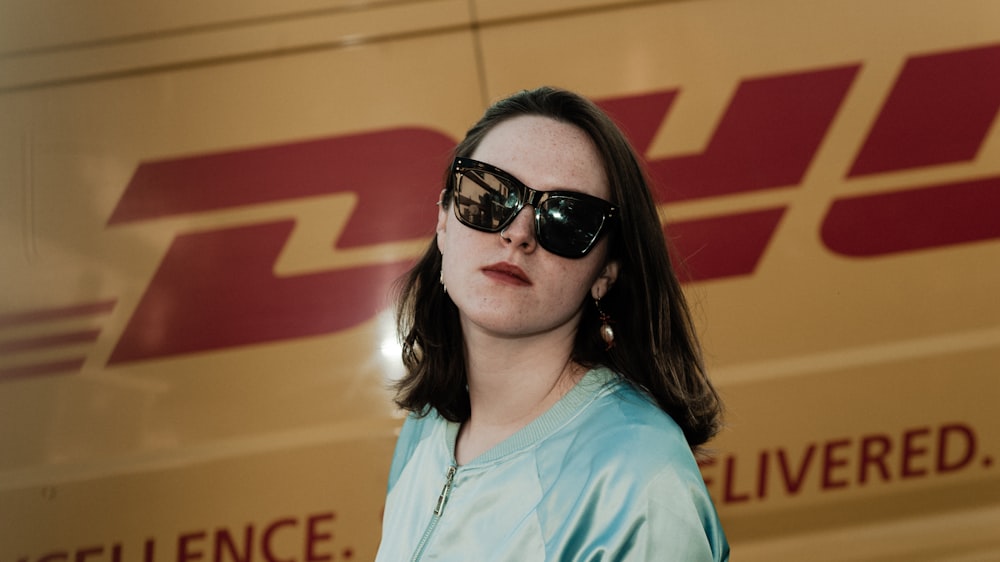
point(445, 287)
point(607, 334)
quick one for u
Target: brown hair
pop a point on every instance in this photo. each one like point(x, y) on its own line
point(656, 348)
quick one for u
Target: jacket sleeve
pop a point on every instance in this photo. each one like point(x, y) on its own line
point(407, 441)
point(666, 516)
point(675, 519)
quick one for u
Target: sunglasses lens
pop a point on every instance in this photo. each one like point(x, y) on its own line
point(483, 200)
point(568, 226)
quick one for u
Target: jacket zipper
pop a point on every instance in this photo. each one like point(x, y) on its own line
point(438, 510)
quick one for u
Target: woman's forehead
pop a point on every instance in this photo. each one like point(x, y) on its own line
point(545, 154)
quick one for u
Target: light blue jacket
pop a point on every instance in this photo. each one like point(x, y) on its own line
point(603, 475)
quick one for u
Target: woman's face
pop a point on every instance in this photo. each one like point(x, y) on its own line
point(510, 286)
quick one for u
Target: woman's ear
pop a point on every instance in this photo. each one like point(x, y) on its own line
point(605, 280)
point(442, 223)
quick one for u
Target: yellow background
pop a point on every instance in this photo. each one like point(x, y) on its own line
point(814, 347)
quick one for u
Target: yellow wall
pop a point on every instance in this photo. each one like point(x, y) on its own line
point(195, 341)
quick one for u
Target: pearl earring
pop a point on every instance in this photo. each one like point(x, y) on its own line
point(607, 333)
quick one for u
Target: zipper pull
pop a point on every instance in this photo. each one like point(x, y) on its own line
point(443, 498)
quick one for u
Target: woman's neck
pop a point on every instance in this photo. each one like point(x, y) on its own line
point(512, 381)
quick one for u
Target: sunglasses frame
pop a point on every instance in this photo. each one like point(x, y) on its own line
point(527, 196)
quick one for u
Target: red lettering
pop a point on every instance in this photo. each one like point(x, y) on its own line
point(746, 153)
point(905, 220)
point(762, 470)
point(266, 539)
point(184, 542)
point(84, 553)
point(223, 540)
point(246, 303)
point(729, 496)
point(946, 436)
point(640, 116)
point(342, 164)
point(211, 307)
point(830, 463)
point(793, 484)
point(874, 450)
point(148, 549)
point(912, 451)
point(767, 137)
point(705, 248)
point(930, 118)
point(314, 536)
point(847, 461)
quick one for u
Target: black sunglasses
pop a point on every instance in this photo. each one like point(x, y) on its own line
point(567, 223)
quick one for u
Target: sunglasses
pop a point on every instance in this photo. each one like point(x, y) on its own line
point(567, 223)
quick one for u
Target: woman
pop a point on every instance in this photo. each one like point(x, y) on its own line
point(554, 381)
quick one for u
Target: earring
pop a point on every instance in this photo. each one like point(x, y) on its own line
point(445, 287)
point(607, 334)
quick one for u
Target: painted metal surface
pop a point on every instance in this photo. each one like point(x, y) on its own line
point(203, 208)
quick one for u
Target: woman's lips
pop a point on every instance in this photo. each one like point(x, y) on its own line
point(507, 273)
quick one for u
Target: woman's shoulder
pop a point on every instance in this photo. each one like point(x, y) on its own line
point(623, 425)
point(622, 445)
point(623, 407)
point(418, 428)
point(420, 425)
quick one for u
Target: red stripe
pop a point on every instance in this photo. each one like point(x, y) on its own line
point(915, 219)
point(56, 367)
point(939, 111)
point(192, 304)
point(40, 342)
point(640, 116)
point(395, 174)
point(766, 139)
point(722, 246)
point(61, 313)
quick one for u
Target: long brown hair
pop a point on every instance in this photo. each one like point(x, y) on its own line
point(655, 349)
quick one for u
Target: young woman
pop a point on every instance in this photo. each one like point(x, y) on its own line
point(555, 384)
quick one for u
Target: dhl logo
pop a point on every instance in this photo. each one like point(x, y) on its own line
point(217, 289)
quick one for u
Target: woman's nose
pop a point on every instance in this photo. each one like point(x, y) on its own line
point(521, 231)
